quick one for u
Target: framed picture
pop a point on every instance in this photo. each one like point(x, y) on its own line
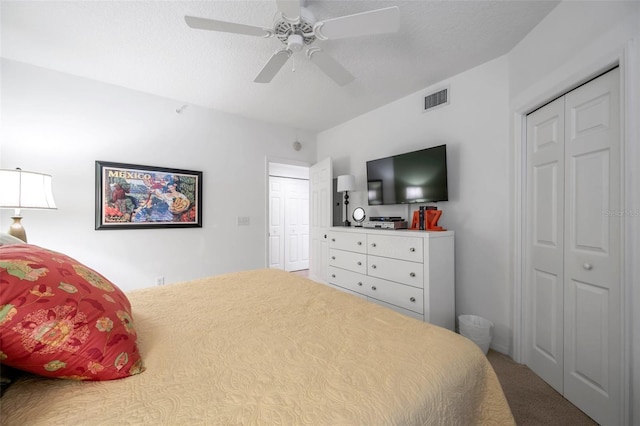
point(130, 196)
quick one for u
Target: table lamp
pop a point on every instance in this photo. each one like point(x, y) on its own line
point(346, 183)
point(24, 190)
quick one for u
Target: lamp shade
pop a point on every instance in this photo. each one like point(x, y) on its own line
point(346, 183)
point(25, 190)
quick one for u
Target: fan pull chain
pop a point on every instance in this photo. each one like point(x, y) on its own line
point(293, 63)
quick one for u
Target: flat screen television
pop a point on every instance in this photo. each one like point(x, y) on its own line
point(413, 177)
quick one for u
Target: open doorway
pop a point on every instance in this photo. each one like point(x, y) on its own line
point(288, 217)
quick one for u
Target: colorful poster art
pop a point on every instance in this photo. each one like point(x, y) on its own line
point(134, 196)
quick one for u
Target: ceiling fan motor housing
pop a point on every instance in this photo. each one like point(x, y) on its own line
point(284, 29)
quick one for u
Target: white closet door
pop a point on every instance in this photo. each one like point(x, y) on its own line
point(545, 289)
point(297, 225)
point(276, 223)
point(573, 306)
point(593, 314)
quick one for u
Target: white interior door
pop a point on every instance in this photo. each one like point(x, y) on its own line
point(321, 205)
point(296, 225)
point(573, 306)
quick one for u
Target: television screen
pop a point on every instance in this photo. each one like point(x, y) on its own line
point(413, 177)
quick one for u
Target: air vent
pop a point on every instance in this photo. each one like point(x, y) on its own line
point(436, 99)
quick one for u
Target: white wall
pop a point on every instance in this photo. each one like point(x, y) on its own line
point(572, 40)
point(475, 128)
point(61, 124)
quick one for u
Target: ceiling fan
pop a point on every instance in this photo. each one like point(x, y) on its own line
point(296, 27)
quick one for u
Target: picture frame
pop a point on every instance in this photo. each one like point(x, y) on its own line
point(132, 196)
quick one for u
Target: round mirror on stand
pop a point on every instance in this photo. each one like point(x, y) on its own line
point(358, 216)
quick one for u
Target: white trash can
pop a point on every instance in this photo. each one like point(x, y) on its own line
point(477, 329)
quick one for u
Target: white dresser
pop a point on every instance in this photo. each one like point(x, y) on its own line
point(409, 271)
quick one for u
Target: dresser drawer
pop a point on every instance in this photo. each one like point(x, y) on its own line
point(404, 296)
point(347, 279)
point(356, 262)
point(410, 273)
point(405, 248)
point(348, 241)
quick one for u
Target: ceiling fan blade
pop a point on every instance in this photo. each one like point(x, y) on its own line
point(330, 66)
point(272, 66)
point(227, 27)
point(378, 21)
point(290, 9)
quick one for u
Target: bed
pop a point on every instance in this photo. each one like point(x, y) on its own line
point(269, 347)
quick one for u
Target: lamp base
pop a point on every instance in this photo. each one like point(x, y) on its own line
point(16, 229)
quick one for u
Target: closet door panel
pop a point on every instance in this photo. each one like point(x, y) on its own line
point(593, 305)
point(545, 269)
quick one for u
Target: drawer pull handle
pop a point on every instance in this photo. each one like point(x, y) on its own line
point(360, 284)
point(373, 288)
point(373, 244)
point(333, 275)
point(333, 258)
point(412, 249)
point(413, 274)
point(413, 299)
point(373, 266)
point(359, 243)
point(359, 263)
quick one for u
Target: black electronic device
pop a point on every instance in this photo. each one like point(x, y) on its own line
point(413, 177)
point(386, 219)
point(396, 224)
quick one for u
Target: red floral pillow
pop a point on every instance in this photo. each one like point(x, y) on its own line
point(59, 318)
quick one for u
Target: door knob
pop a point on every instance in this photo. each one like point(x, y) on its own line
point(587, 266)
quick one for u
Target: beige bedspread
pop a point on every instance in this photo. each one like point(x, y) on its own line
point(268, 347)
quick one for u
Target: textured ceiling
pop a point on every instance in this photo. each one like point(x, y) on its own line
point(146, 46)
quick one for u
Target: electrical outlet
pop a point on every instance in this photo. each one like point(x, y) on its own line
point(243, 221)
point(159, 280)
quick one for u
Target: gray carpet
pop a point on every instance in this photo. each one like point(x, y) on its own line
point(532, 400)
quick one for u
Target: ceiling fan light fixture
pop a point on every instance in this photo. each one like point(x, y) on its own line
point(295, 42)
